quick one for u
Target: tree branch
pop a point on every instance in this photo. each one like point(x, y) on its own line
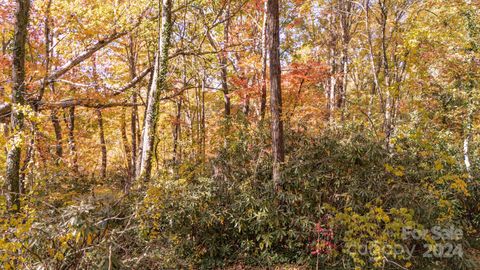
point(83, 56)
point(133, 82)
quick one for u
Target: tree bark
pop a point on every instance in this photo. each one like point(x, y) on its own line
point(387, 125)
point(29, 159)
point(134, 135)
point(263, 89)
point(224, 63)
point(346, 13)
point(47, 54)
point(158, 86)
point(466, 144)
point(134, 116)
point(126, 148)
point(177, 134)
point(70, 122)
point(18, 98)
point(275, 89)
point(103, 145)
point(58, 135)
point(332, 48)
point(202, 120)
point(5, 126)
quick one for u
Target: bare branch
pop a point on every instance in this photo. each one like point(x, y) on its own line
point(133, 82)
point(83, 56)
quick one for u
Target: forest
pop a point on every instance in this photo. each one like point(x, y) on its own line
point(240, 134)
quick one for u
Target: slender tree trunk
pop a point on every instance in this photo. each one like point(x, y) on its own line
point(224, 63)
point(126, 148)
point(387, 125)
point(177, 134)
point(134, 113)
point(332, 85)
point(30, 152)
point(70, 122)
point(177, 129)
point(343, 93)
point(189, 122)
point(5, 126)
point(202, 120)
point(226, 97)
point(467, 136)
point(371, 57)
point(134, 135)
point(246, 105)
point(29, 159)
point(466, 144)
point(197, 137)
point(275, 89)
point(47, 55)
point(6, 134)
point(18, 98)
point(54, 112)
point(468, 126)
point(103, 145)
point(346, 12)
point(158, 86)
point(58, 136)
point(263, 89)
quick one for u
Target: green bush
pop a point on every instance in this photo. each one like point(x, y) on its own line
point(232, 213)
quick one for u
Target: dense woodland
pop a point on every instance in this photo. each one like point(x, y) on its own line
point(239, 134)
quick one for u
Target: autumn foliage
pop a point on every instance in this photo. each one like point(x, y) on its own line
point(159, 134)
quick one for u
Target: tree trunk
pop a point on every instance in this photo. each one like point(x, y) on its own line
point(13, 157)
point(103, 145)
point(468, 124)
point(467, 138)
point(70, 122)
point(126, 148)
point(332, 85)
point(224, 63)
point(263, 89)
point(222, 57)
point(177, 134)
point(373, 67)
point(158, 86)
point(226, 97)
point(388, 121)
point(5, 126)
point(58, 135)
point(30, 152)
point(275, 89)
point(346, 13)
point(134, 136)
point(202, 121)
point(134, 115)
point(28, 160)
point(246, 105)
point(343, 93)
